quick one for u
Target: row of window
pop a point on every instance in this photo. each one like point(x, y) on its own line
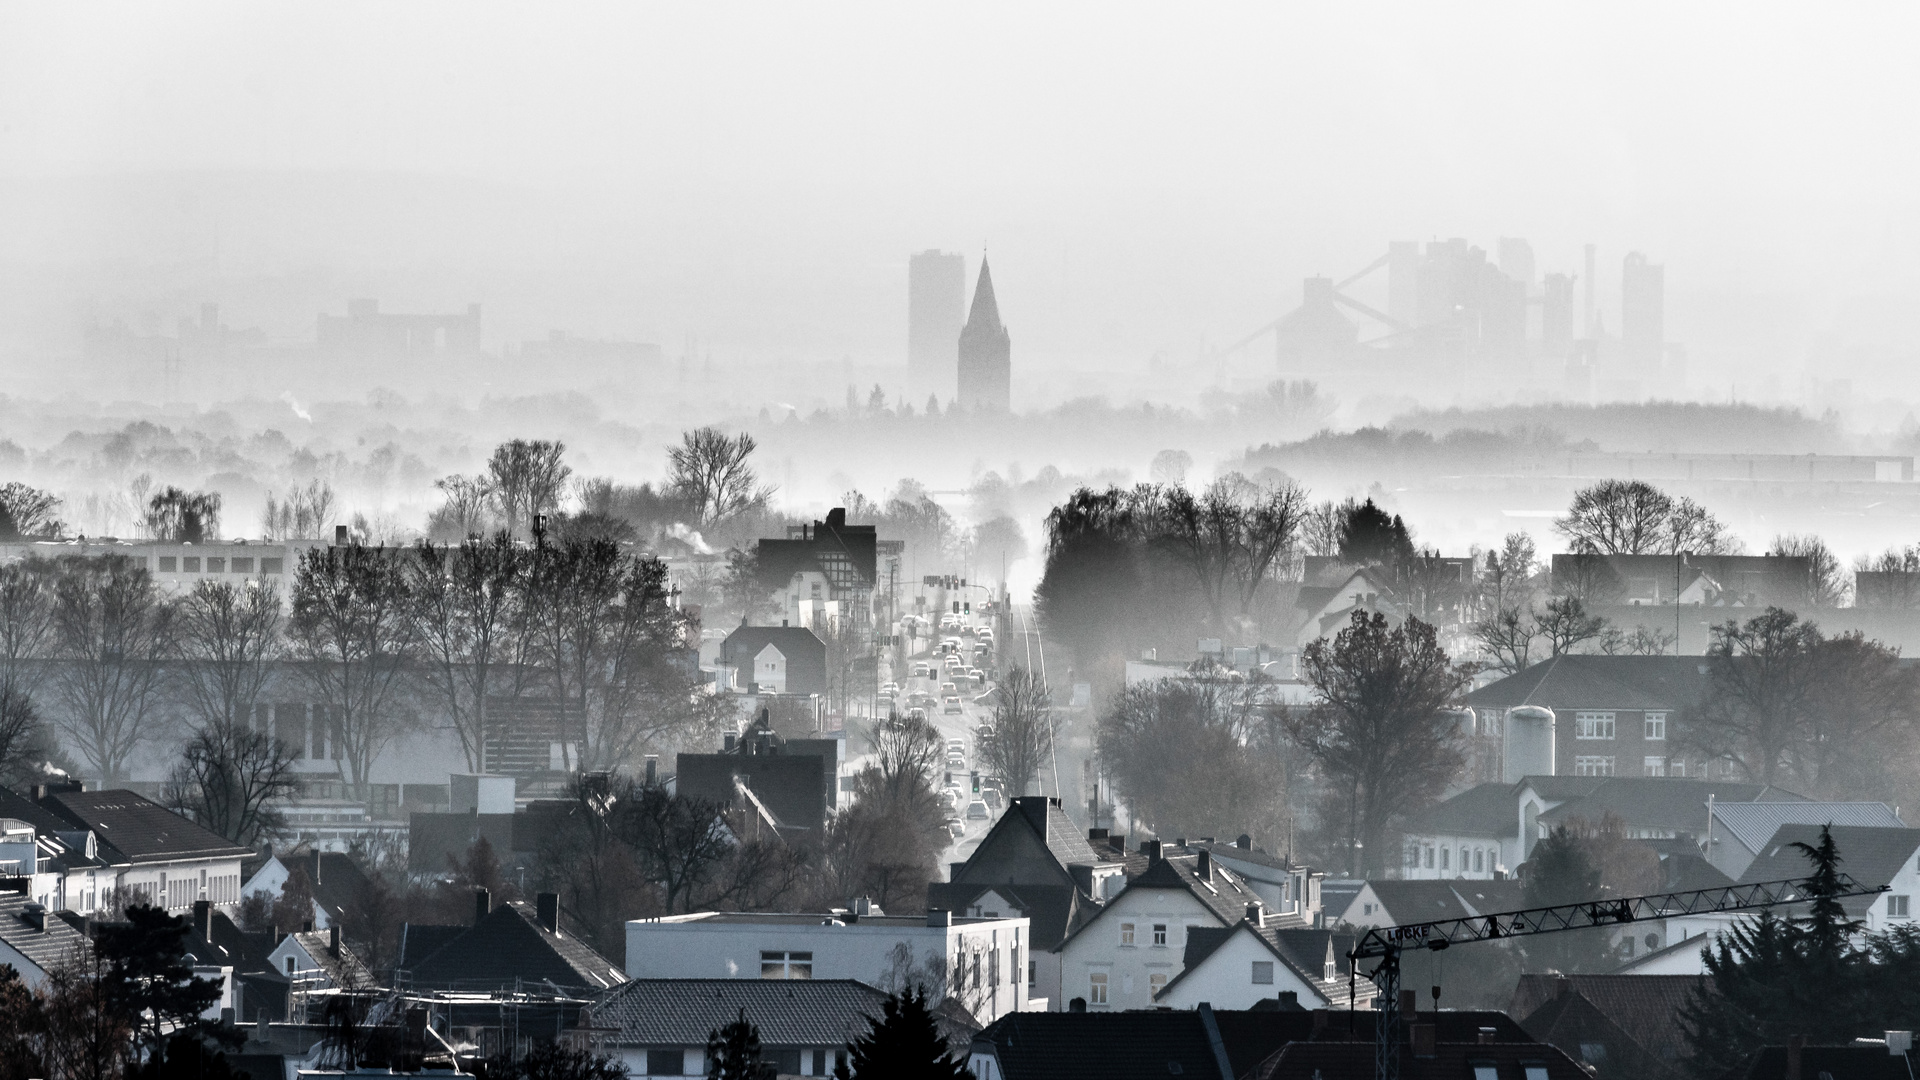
point(218, 564)
point(1097, 985)
point(1129, 932)
point(1602, 725)
point(1475, 860)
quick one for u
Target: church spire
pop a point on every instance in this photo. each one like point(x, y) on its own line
point(985, 314)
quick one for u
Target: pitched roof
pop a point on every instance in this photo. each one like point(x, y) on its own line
point(1600, 682)
point(421, 940)
point(510, 946)
point(984, 315)
point(247, 952)
point(1101, 1045)
point(1753, 824)
point(1870, 1061)
point(1340, 1060)
point(1491, 810)
point(1068, 845)
point(1645, 1007)
point(1559, 788)
point(1226, 895)
point(1305, 951)
point(1869, 855)
point(1688, 872)
point(1433, 900)
point(435, 838)
point(346, 969)
point(794, 642)
point(140, 829)
point(1662, 801)
point(788, 1012)
point(44, 948)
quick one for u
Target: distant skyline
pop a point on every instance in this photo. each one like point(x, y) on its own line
point(755, 178)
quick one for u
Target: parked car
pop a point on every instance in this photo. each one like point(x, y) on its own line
point(977, 811)
point(950, 704)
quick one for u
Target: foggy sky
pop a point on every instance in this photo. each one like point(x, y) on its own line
point(1146, 178)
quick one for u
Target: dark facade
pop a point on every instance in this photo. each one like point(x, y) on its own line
point(986, 353)
point(792, 780)
point(848, 555)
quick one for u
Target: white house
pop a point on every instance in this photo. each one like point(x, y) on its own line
point(770, 669)
point(981, 961)
point(1475, 834)
point(1393, 902)
point(1290, 892)
point(1133, 947)
point(91, 847)
point(659, 1027)
point(1238, 966)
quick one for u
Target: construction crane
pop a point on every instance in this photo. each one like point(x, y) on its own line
point(1386, 943)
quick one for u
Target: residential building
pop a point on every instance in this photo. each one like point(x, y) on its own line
point(366, 331)
point(257, 985)
point(659, 1027)
point(1134, 945)
point(337, 883)
point(936, 311)
point(510, 945)
point(982, 962)
point(1475, 834)
point(821, 572)
point(33, 940)
point(1862, 1059)
point(1290, 892)
point(1320, 611)
point(1873, 857)
point(1389, 902)
point(1754, 581)
point(176, 568)
point(1610, 715)
point(1670, 815)
point(1240, 966)
point(787, 784)
point(986, 353)
point(94, 846)
point(776, 659)
point(1737, 832)
point(316, 960)
point(1624, 1025)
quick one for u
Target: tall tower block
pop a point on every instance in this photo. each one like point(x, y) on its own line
point(986, 352)
point(936, 306)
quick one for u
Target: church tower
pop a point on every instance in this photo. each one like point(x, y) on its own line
point(986, 353)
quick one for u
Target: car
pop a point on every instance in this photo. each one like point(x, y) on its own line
point(990, 795)
point(977, 810)
point(956, 828)
point(889, 687)
point(950, 704)
point(917, 713)
point(921, 699)
point(977, 675)
point(922, 669)
point(986, 634)
point(957, 744)
point(948, 689)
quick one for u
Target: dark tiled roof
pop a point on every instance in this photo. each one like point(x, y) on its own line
point(244, 951)
point(1491, 810)
point(1870, 856)
point(806, 655)
point(1429, 901)
point(1336, 894)
point(1687, 872)
point(421, 940)
point(788, 1012)
point(1354, 1061)
point(45, 948)
point(1101, 1046)
point(1599, 682)
point(1754, 823)
point(1555, 788)
point(1254, 855)
point(510, 946)
point(1226, 895)
point(1666, 802)
point(140, 829)
point(347, 969)
point(1645, 1007)
point(1064, 840)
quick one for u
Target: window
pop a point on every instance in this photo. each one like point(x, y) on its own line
point(1160, 934)
point(168, 564)
point(271, 566)
point(1263, 973)
point(1656, 725)
point(1156, 982)
point(786, 965)
point(1485, 1072)
point(1897, 907)
point(1535, 1072)
point(1478, 854)
point(190, 564)
point(1097, 988)
point(1033, 972)
point(216, 566)
point(666, 1062)
point(993, 968)
point(1586, 765)
point(1593, 725)
point(1653, 766)
point(1445, 856)
point(1126, 933)
point(1429, 856)
point(1679, 767)
point(243, 566)
point(1489, 721)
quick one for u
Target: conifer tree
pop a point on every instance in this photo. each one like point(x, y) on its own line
point(902, 1042)
point(733, 1053)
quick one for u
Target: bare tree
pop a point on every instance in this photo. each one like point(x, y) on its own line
point(1764, 686)
point(190, 517)
point(112, 629)
point(906, 752)
point(1632, 517)
point(1566, 625)
point(27, 512)
point(1507, 634)
point(1183, 755)
point(681, 841)
point(528, 478)
point(1376, 726)
point(229, 778)
point(468, 510)
point(1827, 584)
point(1231, 536)
point(1021, 735)
point(1888, 580)
point(467, 611)
point(1642, 640)
point(351, 632)
point(304, 514)
point(710, 471)
point(229, 638)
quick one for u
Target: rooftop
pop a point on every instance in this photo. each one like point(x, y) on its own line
point(788, 1012)
point(1754, 823)
point(1600, 682)
point(140, 829)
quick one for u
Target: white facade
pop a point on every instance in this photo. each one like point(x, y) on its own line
point(1131, 950)
point(770, 670)
point(1446, 857)
point(176, 568)
point(1240, 973)
point(982, 962)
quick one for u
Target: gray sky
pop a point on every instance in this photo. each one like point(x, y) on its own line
point(1147, 177)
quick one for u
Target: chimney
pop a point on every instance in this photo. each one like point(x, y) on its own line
point(653, 769)
point(1204, 868)
point(1243, 842)
point(36, 916)
point(260, 1028)
point(863, 905)
point(547, 908)
point(1096, 834)
point(1795, 1044)
point(1421, 1038)
point(203, 919)
point(339, 536)
point(939, 917)
point(1256, 915)
point(482, 905)
point(728, 743)
point(1078, 1005)
point(1486, 1035)
point(1151, 849)
point(333, 941)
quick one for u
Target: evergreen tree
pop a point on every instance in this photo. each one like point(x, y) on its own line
point(1562, 871)
point(733, 1053)
point(902, 1042)
point(149, 980)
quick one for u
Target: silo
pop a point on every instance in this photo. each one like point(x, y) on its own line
point(1528, 745)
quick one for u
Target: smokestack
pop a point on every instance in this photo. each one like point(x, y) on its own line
point(1587, 327)
point(482, 905)
point(547, 909)
point(203, 919)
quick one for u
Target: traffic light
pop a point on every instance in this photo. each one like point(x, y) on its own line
point(956, 607)
point(967, 606)
point(975, 777)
